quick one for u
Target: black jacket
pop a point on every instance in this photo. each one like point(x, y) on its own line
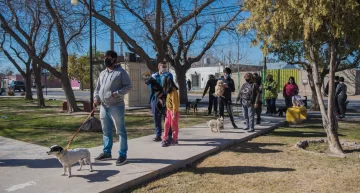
point(211, 83)
point(326, 90)
point(230, 89)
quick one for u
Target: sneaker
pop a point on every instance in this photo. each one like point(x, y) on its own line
point(103, 157)
point(121, 161)
point(173, 142)
point(157, 139)
point(164, 143)
point(245, 128)
point(251, 130)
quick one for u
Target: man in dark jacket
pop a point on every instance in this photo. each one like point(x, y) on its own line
point(225, 100)
point(258, 81)
point(341, 96)
point(210, 84)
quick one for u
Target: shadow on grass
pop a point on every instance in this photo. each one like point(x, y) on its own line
point(301, 134)
point(235, 170)
point(254, 148)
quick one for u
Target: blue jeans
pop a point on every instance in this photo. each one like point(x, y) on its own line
point(110, 117)
point(271, 105)
point(249, 113)
point(157, 119)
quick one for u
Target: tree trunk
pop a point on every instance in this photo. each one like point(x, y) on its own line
point(66, 85)
point(181, 79)
point(328, 118)
point(314, 100)
point(28, 85)
point(39, 92)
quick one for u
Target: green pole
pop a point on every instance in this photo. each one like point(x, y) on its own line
point(263, 78)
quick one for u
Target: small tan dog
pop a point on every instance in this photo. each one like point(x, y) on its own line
point(219, 88)
point(216, 124)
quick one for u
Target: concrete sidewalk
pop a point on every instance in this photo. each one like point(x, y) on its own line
point(27, 168)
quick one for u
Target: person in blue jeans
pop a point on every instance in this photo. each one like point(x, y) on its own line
point(113, 83)
point(159, 77)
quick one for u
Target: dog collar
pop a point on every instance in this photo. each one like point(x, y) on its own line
point(62, 153)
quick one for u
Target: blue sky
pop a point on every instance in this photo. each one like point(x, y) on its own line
point(223, 44)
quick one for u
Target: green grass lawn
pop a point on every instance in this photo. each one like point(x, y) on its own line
point(22, 120)
point(271, 164)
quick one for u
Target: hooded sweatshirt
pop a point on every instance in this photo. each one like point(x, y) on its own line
point(111, 87)
point(290, 90)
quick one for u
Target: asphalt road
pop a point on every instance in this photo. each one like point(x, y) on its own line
point(85, 95)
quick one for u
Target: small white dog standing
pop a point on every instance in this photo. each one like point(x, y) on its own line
point(217, 124)
point(68, 157)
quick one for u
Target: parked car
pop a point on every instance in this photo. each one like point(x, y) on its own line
point(17, 85)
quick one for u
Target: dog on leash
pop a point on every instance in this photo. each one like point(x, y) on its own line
point(216, 125)
point(69, 157)
point(158, 91)
point(192, 105)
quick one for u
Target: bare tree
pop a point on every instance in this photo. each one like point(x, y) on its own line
point(69, 25)
point(172, 28)
point(27, 62)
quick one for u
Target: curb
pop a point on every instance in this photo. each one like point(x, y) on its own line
point(182, 164)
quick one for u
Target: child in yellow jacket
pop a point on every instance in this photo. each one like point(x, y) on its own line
point(172, 112)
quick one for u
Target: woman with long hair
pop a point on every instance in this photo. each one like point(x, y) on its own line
point(290, 89)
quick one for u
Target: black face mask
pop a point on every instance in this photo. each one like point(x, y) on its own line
point(247, 80)
point(108, 63)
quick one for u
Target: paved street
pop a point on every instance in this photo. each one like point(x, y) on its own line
point(58, 94)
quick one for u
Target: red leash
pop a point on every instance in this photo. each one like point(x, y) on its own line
point(68, 145)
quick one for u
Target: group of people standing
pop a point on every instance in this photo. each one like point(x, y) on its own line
point(114, 82)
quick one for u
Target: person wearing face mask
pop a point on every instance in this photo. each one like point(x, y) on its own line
point(210, 85)
point(159, 77)
point(249, 97)
point(290, 89)
point(113, 83)
point(270, 87)
point(225, 100)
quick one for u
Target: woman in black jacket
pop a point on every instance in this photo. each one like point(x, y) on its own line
point(225, 100)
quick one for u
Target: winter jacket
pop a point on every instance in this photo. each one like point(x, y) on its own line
point(111, 86)
point(290, 90)
point(326, 90)
point(160, 79)
point(231, 88)
point(270, 89)
point(341, 89)
point(210, 84)
point(173, 102)
point(249, 98)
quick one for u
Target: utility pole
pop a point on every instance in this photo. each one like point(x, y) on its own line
point(95, 37)
point(112, 17)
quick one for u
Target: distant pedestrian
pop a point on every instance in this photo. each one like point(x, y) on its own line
point(172, 113)
point(210, 85)
point(112, 84)
point(341, 96)
point(225, 100)
point(290, 89)
point(188, 82)
point(270, 87)
point(258, 81)
point(326, 90)
point(249, 97)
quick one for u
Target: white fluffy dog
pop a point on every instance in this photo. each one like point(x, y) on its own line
point(219, 88)
point(216, 124)
point(68, 157)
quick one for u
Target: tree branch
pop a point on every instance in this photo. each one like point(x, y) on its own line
point(187, 18)
point(17, 25)
point(212, 40)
